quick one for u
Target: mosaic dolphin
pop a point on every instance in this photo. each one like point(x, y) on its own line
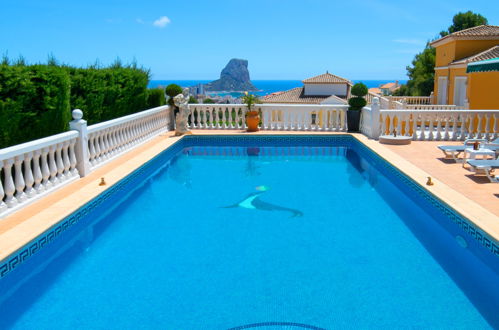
point(253, 201)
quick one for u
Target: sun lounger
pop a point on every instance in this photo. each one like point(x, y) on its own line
point(485, 166)
point(452, 152)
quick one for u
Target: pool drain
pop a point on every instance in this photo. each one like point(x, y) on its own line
point(281, 325)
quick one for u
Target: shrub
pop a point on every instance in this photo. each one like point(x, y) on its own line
point(172, 90)
point(359, 89)
point(208, 101)
point(155, 97)
point(193, 100)
point(357, 103)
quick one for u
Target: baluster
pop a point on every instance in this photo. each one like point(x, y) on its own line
point(91, 148)
point(413, 124)
point(59, 163)
point(19, 179)
point(72, 158)
point(52, 166)
point(38, 177)
point(65, 159)
point(470, 127)
point(462, 134)
point(9, 187)
point(97, 158)
point(454, 119)
point(112, 142)
point(479, 134)
point(28, 175)
point(400, 118)
point(237, 118)
point(121, 138)
point(486, 128)
point(438, 118)
point(430, 128)
point(3, 206)
point(44, 162)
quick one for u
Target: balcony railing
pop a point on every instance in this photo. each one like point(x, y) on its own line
point(434, 123)
point(293, 117)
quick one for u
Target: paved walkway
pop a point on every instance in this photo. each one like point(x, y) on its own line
point(426, 156)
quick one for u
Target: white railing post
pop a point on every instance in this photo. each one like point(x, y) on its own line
point(375, 118)
point(81, 147)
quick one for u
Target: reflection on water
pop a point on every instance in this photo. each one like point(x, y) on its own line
point(361, 171)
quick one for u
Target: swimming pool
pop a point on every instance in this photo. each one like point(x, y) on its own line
point(225, 232)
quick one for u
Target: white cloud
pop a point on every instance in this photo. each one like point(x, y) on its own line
point(409, 41)
point(139, 20)
point(161, 22)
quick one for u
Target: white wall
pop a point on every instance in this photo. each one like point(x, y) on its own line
point(326, 89)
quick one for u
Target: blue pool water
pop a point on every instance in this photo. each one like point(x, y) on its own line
point(228, 232)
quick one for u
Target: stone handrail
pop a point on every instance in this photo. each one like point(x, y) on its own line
point(427, 125)
point(31, 170)
point(111, 138)
point(433, 107)
point(412, 99)
point(273, 116)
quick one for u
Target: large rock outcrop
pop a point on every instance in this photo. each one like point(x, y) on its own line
point(234, 77)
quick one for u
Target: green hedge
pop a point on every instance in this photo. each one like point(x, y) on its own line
point(108, 93)
point(36, 100)
point(155, 97)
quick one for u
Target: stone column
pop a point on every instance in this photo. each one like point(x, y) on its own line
point(81, 146)
point(375, 118)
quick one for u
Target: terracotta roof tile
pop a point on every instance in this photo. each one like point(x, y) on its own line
point(485, 55)
point(326, 78)
point(296, 96)
point(481, 32)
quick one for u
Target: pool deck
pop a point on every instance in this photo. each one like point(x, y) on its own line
point(473, 197)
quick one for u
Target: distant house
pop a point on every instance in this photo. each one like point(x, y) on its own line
point(454, 54)
point(326, 88)
point(375, 90)
point(389, 88)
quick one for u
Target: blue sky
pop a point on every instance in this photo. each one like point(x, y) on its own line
point(290, 39)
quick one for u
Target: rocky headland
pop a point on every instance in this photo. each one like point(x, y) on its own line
point(233, 78)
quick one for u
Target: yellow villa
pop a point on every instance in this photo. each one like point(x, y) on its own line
point(454, 52)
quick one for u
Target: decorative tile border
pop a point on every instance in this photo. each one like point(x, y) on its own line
point(246, 141)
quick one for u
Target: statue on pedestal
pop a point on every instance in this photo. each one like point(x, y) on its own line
point(182, 102)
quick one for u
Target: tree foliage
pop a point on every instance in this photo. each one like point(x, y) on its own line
point(463, 21)
point(208, 101)
point(422, 71)
point(172, 90)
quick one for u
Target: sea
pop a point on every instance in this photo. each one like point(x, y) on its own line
point(264, 86)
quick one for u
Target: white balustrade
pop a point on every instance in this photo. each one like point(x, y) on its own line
point(411, 100)
point(433, 107)
point(33, 169)
point(299, 117)
point(112, 138)
point(427, 125)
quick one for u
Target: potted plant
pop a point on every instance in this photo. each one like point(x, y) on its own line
point(356, 103)
point(252, 116)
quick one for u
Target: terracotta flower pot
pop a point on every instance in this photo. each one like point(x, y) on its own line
point(252, 121)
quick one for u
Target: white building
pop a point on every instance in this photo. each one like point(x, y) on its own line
point(326, 88)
